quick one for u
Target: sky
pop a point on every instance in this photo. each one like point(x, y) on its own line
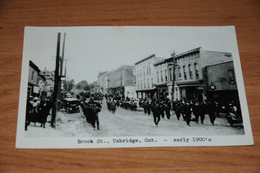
point(90, 50)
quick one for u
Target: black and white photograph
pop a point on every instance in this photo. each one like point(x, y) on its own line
point(131, 86)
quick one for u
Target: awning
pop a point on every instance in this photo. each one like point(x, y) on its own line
point(189, 84)
point(144, 90)
point(160, 85)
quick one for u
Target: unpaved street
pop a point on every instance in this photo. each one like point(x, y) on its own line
point(129, 123)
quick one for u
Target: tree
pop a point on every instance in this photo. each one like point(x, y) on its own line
point(68, 85)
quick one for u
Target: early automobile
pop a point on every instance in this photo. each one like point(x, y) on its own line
point(71, 105)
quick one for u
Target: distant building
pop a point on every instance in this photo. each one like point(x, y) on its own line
point(96, 87)
point(121, 82)
point(49, 83)
point(146, 76)
point(103, 82)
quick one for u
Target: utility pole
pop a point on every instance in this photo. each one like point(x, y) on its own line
point(56, 83)
point(173, 76)
point(60, 74)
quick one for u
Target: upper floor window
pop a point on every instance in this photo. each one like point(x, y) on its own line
point(158, 76)
point(165, 73)
point(32, 75)
point(190, 71)
point(196, 71)
point(170, 72)
point(184, 73)
point(231, 76)
point(161, 76)
point(179, 70)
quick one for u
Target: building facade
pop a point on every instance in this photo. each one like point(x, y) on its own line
point(121, 82)
point(36, 81)
point(49, 83)
point(190, 82)
point(221, 83)
point(146, 76)
point(103, 82)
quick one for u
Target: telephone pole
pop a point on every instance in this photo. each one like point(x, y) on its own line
point(173, 76)
point(56, 83)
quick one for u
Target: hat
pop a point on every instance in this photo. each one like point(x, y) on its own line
point(35, 98)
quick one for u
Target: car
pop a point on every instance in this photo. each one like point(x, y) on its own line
point(71, 105)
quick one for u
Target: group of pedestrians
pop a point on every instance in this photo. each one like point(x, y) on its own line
point(37, 110)
point(188, 110)
point(158, 107)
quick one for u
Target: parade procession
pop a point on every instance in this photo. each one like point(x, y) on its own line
point(192, 92)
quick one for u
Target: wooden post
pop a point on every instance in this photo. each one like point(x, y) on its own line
point(173, 77)
point(56, 83)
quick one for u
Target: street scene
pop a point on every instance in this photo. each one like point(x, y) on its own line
point(130, 123)
point(91, 89)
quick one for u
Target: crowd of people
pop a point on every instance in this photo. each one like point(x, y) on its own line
point(188, 110)
point(37, 110)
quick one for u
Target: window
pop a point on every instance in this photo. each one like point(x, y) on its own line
point(141, 85)
point(144, 83)
point(179, 69)
point(196, 71)
point(190, 71)
point(165, 75)
point(148, 86)
point(147, 70)
point(231, 76)
point(144, 70)
point(138, 85)
point(184, 73)
point(170, 71)
point(140, 72)
point(158, 76)
point(161, 76)
point(32, 75)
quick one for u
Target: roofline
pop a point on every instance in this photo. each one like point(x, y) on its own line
point(153, 55)
point(187, 52)
point(34, 66)
point(219, 63)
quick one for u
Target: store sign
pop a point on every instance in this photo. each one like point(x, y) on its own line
point(212, 87)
